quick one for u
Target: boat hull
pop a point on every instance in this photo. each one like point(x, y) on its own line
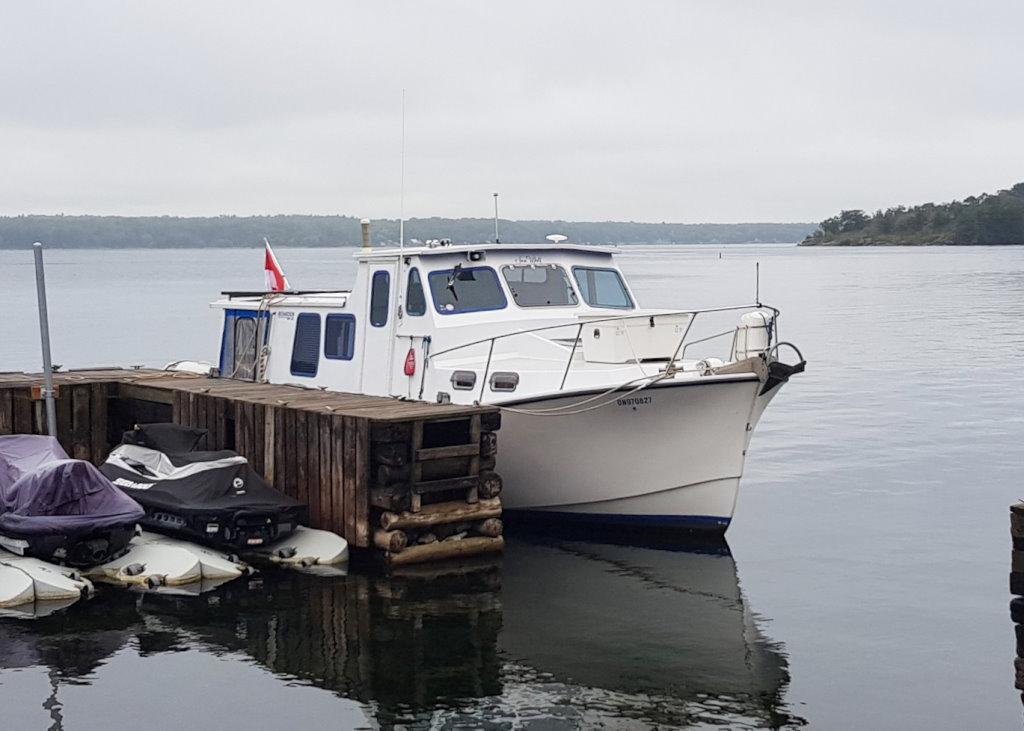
point(668, 457)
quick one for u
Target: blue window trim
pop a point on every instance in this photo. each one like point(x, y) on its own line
point(387, 303)
point(319, 334)
point(236, 313)
point(351, 340)
point(625, 289)
point(423, 292)
point(447, 272)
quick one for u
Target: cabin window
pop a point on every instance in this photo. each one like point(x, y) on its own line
point(379, 292)
point(602, 288)
point(340, 337)
point(466, 289)
point(306, 345)
point(415, 299)
point(543, 285)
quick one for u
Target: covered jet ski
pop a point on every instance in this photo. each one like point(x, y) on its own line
point(215, 498)
point(59, 509)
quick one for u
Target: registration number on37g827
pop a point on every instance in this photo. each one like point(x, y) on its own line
point(633, 401)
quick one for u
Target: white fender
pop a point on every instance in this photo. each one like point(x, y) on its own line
point(305, 547)
point(48, 581)
point(158, 565)
point(213, 564)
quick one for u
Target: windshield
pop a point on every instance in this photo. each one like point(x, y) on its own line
point(466, 289)
point(544, 285)
point(602, 288)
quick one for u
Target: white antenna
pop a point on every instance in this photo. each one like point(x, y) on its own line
point(496, 239)
point(401, 196)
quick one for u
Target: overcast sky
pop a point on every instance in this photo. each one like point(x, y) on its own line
point(716, 110)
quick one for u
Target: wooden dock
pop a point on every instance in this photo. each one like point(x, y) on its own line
point(413, 479)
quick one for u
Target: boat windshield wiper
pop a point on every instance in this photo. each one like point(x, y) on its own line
point(451, 281)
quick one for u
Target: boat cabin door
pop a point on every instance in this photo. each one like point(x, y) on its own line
point(242, 353)
point(380, 285)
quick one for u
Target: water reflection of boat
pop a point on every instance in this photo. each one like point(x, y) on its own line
point(642, 628)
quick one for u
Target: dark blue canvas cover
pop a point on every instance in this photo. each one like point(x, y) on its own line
point(44, 492)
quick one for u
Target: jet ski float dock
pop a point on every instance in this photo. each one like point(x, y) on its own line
point(410, 481)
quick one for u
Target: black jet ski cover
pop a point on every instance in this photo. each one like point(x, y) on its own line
point(60, 509)
point(212, 497)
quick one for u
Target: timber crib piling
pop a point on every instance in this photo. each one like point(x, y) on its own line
point(413, 480)
point(1017, 588)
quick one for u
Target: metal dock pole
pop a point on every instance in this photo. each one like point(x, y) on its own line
point(44, 336)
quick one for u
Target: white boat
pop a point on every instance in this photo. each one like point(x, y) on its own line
point(611, 412)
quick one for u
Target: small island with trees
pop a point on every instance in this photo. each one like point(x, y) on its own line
point(978, 220)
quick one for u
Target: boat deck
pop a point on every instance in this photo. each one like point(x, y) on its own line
point(351, 458)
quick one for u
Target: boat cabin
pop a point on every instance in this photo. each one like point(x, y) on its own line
point(436, 323)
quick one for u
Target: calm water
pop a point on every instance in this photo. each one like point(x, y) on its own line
point(866, 586)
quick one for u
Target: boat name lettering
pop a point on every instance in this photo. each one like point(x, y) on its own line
point(286, 315)
point(122, 482)
point(528, 260)
point(633, 401)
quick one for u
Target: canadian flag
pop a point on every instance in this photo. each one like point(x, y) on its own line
point(276, 280)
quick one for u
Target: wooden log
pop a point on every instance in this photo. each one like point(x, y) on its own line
point(362, 496)
point(64, 419)
point(457, 450)
point(426, 538)
point(441, 513)
point(1017, 610)
point(395, 498)
point(259, 437)
point(22, 407)
point(313, 469)
point(488, 443)
point(338, 476)
point(1019, 631)
point(385, 474)
point(1017, 508)
point(98, 407)
point(454, 483)
point(490, 484)
point(6, 412)
point(269, 446)
point(488, 463)
point(442, 550)
point(200, 420)
point(290, 483)
point(1017, 562)
point(395, 454)
point(301, 447)
point(1018, 666)
point(81, 423)
point(491, 527)
point(390, 431)
point(490, 421)
point(1017, 525)
point(326, 475)
point(1017, 583)
point(415, 443)
point(349, 486)
point(394, 541)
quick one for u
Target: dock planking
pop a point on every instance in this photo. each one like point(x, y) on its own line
point(314, 445)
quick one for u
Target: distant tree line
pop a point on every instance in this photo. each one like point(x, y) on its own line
point(120, 232)
point(984, 219)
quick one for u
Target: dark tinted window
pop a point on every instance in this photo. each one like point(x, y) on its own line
point(602, 288)
point(306, 345)
point(462, 289)
point(340, 337)
point(379, 291)
point(415, 299)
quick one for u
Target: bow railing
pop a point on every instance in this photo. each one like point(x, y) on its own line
point(575, 341)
